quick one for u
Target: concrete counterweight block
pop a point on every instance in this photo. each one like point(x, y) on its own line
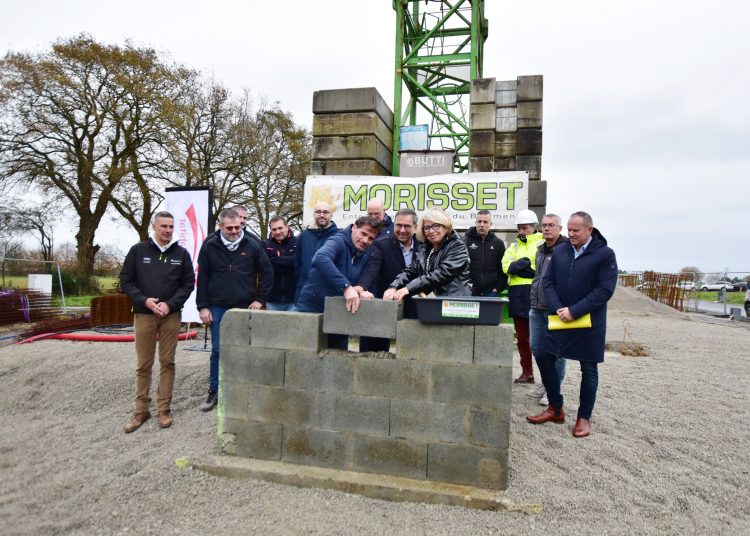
point(483, 91)
point(351, 148)
point(375, 318)
point(287, 330)
point(363, 99)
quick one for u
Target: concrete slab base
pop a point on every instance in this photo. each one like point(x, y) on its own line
point(390, 488)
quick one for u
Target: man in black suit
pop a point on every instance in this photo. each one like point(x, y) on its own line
point(390, 256)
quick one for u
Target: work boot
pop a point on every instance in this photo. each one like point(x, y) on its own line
point(136, 422)
point(582, 427)
point(210, 402)
point(548, 415)
point(165, 419)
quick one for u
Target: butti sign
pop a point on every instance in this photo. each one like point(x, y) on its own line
point(461, 195)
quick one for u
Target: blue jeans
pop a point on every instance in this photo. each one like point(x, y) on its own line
point(537, 329)
point(278, 306)
point(217, 314)
point(589, 383)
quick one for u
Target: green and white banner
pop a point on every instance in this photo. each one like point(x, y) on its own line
point(460, 195)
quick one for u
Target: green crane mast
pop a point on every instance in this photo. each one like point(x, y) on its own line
point(439, 51)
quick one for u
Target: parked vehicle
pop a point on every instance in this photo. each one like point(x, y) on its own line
point(717, 285)
point(740, 286)
point(686, 285)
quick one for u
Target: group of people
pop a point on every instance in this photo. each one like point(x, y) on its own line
point(377, 257)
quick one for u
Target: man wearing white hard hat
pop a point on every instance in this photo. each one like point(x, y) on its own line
point(519, 262)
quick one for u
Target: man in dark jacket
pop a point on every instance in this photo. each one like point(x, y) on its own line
point(336, 269)
point(228, 266)
point(280, 250)
point(579, 280)
point(310, 240)
point(551, 231)
point(376, 210)
point(158, 277)
point(485, 257)
point(388, 259)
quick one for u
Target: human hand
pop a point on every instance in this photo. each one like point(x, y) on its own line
point(352, 299)
point(564, 314)
point(152, 305)
point(255, 306)
point(388, 294)
point(400, 294)
point(162, 309)
point(365, 295)
point(205, 315)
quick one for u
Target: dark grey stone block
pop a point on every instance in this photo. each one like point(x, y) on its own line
point(284, 406)
point(505, 144)
point(493, 345)
point(505, 164)
point(481, 164)
point(529, 141)
point(287, 331)
point(482, 116)
point(529, 114)
point(375, 318)
point(349, 413)
point(489, 427)
point(313, 372)
point(472, 466)
point(391, 378)
point(252, 365)
point(435, 342)
point(314, 447)
point(483, 385)
point(530, 163)
point(428, 421)
point(352, 124)
point(356, 167)
point(530, 88)
point(482, 142)
point(538, 193)
point(366, 147)
point(483, 91)
point(362, 99)
point(390, 456)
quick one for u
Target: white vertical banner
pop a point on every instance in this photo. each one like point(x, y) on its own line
point(190, 208)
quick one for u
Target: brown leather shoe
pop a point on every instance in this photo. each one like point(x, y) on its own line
point(524, 378)
point(548, 415)
point(582, 427)
point(165, 419)
point(138, 419)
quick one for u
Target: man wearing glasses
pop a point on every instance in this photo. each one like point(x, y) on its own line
point(228, 265)
point(310, 240)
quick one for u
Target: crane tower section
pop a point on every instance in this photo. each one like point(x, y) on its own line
point(439, 50)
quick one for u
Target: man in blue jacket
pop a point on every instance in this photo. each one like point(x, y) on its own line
point(280, 250)
point(579, 279)
point(336, 269)
point(228, 266)
point(309, 242)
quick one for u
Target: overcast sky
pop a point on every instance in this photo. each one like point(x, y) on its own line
point(646, 115)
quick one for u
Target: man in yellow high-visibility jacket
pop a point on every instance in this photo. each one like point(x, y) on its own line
point(519, 262)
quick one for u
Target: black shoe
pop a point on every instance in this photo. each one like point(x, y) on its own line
point(210, 402)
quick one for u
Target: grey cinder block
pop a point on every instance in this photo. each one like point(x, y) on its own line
point(529, 141)
point(287, 331)
point(363, 99)
point(482, 142)
point(312, 372)
point(366, 147)
point(350, 413)
point(435, 342)
point(259, 440)
point(483, 385)
point(428, 421)
point(375, 318)
point(391, 378)
point(493, 345)
point(284, 406)
point(252, 365)
point(472, 466)
point(314, 447)
point(234, 398)
point(530, 163)
point(529, 114)
point(538, 193)
point(399, 457)
point(530, 88)
point(483, 90)
point(352, 124)
point(235, 327)
point(481, 164)
point(506, 119)
point(482, 116)
point(489, 427)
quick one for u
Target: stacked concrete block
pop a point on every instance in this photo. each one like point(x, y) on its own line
point(352, 133)
point(439, 411)
point(507, 115)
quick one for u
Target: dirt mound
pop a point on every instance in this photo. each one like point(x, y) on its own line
point(630, 301)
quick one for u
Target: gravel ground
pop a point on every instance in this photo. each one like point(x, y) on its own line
point(669, 451)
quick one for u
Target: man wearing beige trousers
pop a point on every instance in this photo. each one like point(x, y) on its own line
point(158, 277)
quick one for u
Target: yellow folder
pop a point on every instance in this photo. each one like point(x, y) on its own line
point(581, 322)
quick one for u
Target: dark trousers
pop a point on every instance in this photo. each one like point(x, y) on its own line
point(374, 344)
point(547, 364)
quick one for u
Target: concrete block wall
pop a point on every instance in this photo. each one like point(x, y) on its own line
point(506, 132)
point(352, 133)
point(439, 411)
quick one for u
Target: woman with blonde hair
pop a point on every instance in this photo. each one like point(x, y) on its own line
point(443, 267)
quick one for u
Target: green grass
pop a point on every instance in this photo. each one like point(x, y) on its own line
point(107, 284)
point(732, 297)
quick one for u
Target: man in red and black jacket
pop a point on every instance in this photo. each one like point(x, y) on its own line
point(280, 248)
